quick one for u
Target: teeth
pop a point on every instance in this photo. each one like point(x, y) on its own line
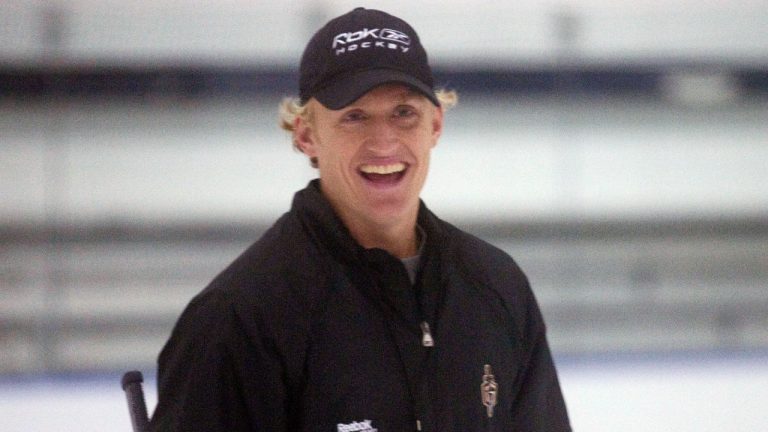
point(383, 169)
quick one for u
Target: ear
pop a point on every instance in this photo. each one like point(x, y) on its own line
point(304, 138)
point(437, 125)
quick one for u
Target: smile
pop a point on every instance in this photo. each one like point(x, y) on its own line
point(384, 174)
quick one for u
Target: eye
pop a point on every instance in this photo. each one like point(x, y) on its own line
point(404, 111)
point(353, 116)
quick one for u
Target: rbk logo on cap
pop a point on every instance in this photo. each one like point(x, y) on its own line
point(371, 38)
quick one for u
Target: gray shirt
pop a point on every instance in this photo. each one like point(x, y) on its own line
point(412, 263)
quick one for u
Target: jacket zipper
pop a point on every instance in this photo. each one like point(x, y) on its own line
point(426, 335)
point(427, 341)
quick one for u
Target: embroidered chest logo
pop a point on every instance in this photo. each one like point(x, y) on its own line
point(362, 426)
point(489, 390)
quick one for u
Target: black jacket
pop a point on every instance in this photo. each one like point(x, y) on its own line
point(308, 331)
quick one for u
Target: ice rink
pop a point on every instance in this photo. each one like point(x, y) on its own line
point(723, 392)
point(616, 149)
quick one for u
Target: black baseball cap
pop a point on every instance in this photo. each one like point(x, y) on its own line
point(357, 51)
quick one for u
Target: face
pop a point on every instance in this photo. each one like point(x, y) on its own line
point(373, 155)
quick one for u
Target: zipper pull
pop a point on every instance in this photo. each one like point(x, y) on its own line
point(426, 335)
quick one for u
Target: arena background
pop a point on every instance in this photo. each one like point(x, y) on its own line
point(618, 150)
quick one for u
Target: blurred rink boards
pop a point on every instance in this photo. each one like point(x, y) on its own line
point(640, 225)
point(617, 150)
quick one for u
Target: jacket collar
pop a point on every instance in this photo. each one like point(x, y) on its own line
point(317, 215)
point(326, 229)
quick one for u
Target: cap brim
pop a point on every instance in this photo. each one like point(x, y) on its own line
point(346, 89)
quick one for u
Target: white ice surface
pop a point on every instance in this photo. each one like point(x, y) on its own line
point(632, 394)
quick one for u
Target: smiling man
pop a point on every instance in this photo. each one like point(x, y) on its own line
point(360, 310)
point(373, 157)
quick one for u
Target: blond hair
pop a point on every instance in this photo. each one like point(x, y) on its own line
point(291, 108)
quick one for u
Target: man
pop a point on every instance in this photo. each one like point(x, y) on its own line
point(360, 310)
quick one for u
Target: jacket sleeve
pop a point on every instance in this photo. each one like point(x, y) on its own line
point(539, 405)
point(218, 373)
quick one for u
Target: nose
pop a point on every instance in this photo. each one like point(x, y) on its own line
point(383, 137)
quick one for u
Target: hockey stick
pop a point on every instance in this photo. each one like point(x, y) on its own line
point(137, 407)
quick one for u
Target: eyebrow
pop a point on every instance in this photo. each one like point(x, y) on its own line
point(411, 94)
point(408, 95)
